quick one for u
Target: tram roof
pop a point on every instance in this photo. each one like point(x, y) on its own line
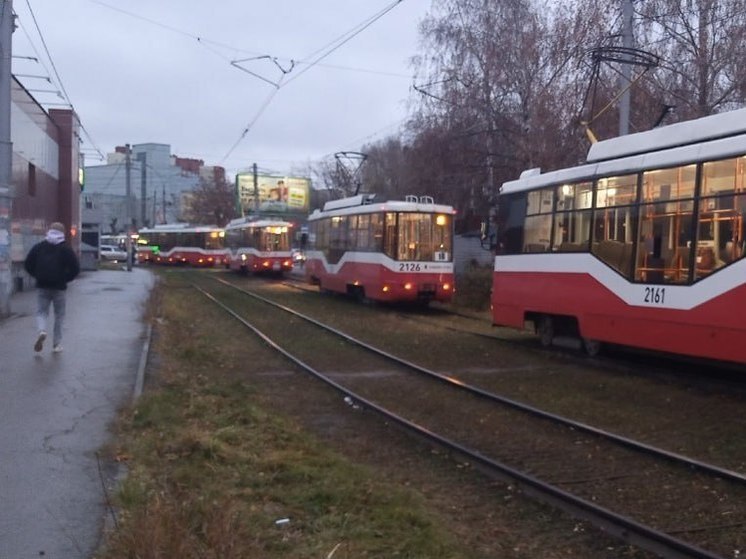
point(708, 138)
point(180, 228)
point(245, 221)
point(362, 204)
point(680, 134)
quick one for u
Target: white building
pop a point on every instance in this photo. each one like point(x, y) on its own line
point(144, 189)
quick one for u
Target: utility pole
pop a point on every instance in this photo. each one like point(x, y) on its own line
point(256, 189)
point(624, 101)
point(6, 155)
point(127, 187)
point(143, 190)
point(128, 205)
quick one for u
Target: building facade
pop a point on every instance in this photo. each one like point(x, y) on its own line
point(45, 178)
point(145, 187)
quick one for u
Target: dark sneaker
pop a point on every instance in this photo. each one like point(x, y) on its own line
point(39, 345)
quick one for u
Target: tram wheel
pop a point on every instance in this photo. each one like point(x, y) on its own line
point(591, 347)
point(545, 330)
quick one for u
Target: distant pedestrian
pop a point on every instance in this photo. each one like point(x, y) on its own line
point(53, 264)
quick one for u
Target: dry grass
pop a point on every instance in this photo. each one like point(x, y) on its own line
point(212, 475)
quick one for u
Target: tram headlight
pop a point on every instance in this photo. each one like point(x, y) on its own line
point(385, 289)
point(446, 287)
point(408, 286)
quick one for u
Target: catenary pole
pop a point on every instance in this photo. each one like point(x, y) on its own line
point(624, 102)
point(6, 155)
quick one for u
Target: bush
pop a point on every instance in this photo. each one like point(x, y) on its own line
point(473, 288)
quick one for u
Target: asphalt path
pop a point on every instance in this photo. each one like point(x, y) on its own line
point(56, 410)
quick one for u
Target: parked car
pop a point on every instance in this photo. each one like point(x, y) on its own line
point(112, 253)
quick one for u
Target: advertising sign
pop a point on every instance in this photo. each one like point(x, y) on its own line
point(274, 193)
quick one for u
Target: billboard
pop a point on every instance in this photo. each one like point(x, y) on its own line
point(274, 193)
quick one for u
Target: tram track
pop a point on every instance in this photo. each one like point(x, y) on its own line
point(584, 476)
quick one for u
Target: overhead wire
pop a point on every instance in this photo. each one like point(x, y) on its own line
point(312, 60)
point(57, 75)
point(325, 51)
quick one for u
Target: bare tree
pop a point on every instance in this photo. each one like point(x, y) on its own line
point(702, 45)
point(211, 203)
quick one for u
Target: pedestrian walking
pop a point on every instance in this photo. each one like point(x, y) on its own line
point(53, 264)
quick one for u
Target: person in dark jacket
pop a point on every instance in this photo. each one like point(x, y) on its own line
point(53, 264)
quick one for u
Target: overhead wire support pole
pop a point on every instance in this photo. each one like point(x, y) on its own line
point(6, 155)
point(626, 70)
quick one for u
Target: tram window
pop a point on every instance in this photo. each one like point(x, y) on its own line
point(571, 231)
point(615, 222)
point(665, 242)
point(540, 201)
point(572, 228)
point(614, 235)
point(536, 232)
point(363, 232)
point(511, 215)
point(376, 231)
point(390, 236)
point(616, 191)
point(669, 184)
point(723, 177)
point(425, 237)
point(338, 235)
point(720, 233)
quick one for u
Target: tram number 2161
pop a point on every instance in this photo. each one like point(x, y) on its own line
point(655, 295)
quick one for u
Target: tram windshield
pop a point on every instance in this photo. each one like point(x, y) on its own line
point(272, 239)
point(419, 237)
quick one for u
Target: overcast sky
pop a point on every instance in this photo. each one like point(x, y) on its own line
point(160, 71)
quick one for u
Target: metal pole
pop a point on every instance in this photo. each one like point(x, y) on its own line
point(127, 189)
point(128, 203)
point(256, 190)
point(6, 155)
point(143, 190)
point(624, 102)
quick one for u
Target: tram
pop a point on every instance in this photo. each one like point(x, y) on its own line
point(641, 246)
point(259, 245)
point(201, 246)
point(395, 251)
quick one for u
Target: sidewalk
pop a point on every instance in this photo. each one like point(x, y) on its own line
point(55, 410)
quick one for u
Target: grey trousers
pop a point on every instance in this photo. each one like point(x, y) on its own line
point(45, 298)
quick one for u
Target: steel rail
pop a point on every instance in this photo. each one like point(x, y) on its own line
point(674, 457)
point(622, 527)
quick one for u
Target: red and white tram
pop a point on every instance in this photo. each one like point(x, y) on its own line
point(259, 245)
point(642, 246)
point(201, 246)
point(389, 251)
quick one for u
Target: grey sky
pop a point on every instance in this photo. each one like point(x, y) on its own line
point(136, 72)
